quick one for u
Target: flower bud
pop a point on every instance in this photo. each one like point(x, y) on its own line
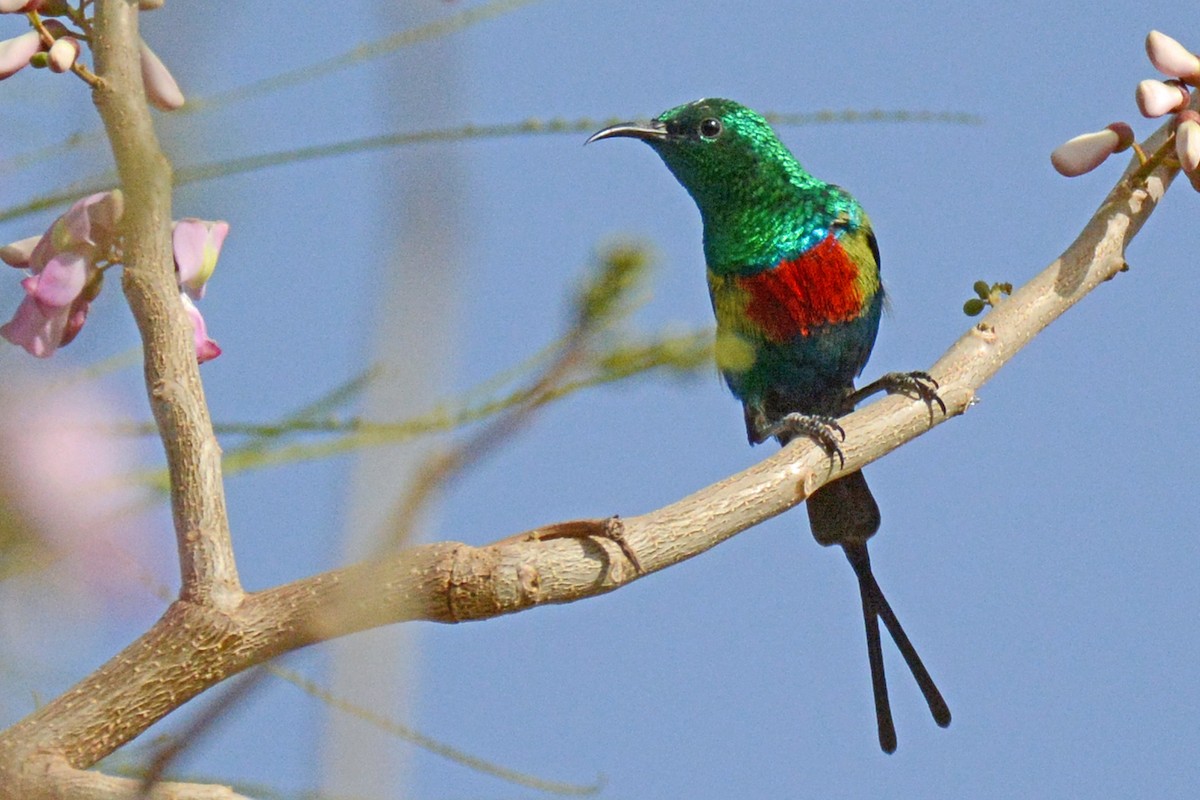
point(62, 54)
point(161, 89)
point(1156, 98)
point(19, 6)
point(16, 52)
point(56, 28)
point(1085, 153)
point(1187, 141)
point(1171, 58)
point(18, 253)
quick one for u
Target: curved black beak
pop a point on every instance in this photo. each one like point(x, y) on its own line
point(646, 131)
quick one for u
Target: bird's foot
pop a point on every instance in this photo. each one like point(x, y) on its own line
point(917, 384)
point(823, 430)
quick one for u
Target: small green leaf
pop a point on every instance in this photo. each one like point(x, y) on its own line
point(973, 307)
point(982, 289)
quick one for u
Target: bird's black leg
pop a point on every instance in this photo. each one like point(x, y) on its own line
point(856, 554)
point(920, 385)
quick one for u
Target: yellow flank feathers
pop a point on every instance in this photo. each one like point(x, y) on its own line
point(854, 242)
point(736, 335)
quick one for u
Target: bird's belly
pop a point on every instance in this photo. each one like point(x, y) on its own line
point(792, 338)
point(810, 374)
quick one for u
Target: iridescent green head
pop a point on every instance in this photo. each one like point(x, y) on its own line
point(757, 202)
point(722, 152)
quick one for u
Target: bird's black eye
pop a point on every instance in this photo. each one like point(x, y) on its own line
point(710, 128)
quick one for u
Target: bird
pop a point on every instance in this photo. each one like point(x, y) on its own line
point(793, 275)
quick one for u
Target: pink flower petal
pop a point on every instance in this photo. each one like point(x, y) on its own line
point(1170, 57)
point(62, 280)
point(31, 328)
point(161, 89)
point(16, 52)
point(197, 245)
point(89, 222)
point(206, 348)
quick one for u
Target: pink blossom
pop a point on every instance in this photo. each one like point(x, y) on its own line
point(197, 245)
point(90, 222)
point(66, 273)
point(16, 52)
point(161, 89)
point(61, 279)
point(35, 330)
point(206, 348)
point(1171, 58)
point(65, 276)
point(1085, 153)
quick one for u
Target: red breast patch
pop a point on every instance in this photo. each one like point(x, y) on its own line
point(815, 288)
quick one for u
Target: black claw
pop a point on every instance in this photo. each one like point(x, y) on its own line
point(918, 384)
point(923, 385)
point(823, 430)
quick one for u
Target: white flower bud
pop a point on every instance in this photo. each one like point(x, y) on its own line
point(1085, 153)
point(1187, 144)
point(18, 253)
point(62, 54)
point(161, 89)
point(1171, 58)
point(1155, 98)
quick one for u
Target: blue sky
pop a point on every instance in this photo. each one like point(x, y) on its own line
point(1041, 550)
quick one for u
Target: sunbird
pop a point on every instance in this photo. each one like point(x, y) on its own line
point(793, 274)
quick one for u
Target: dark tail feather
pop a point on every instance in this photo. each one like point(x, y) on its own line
point(883, 706)
point(843, 511)
point(933, 698)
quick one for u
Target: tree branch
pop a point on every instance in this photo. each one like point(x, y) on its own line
point(209, 572)
point(76, 784)
point(197, 644)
